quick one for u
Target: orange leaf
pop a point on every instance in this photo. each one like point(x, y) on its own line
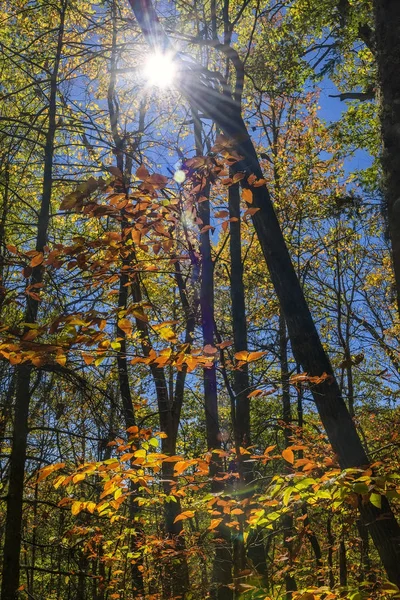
point(247, 195)
point(237, 177)
point(88, 358)
point(214, 523)
point(188, 514)
point(37, 259)
point(250, 211)
point(180, 466)
point(255, 393)
point(208, 349)
point(45, 472)
point(255, 355)
point(288, 455)
point(225, 344)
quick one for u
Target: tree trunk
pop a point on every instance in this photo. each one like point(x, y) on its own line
point(387, 52)
point(239, 325)
point(241, 385)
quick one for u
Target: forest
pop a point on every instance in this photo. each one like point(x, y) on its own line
point(199, 299)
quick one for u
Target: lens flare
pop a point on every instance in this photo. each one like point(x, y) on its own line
point(159, 70)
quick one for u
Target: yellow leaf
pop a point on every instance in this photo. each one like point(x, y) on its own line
point(78, 477)
point(91, 507)
point(140, 453)
point(61, 359)
point(76, 508)
point(125, 325)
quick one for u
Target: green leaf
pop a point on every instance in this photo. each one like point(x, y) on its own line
point(376, 500)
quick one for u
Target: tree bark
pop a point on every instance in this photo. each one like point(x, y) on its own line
point(222, 564)
point(239, 325)
point(387, 53)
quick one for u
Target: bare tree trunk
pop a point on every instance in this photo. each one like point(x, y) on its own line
point(287, 520)
point(12, 543)
point(222, 565)
point(240, 376)
point(241, 384)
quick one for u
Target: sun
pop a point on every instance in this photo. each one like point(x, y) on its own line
point(160, 70)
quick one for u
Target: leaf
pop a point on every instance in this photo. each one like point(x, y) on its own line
point(126, 326)
point(225, 344)
point(114, 171)
point(91, 507)
point(238, 177)
point(61, 359)
point(78, 477)
point(255, 393)
point(30, 335)
point(237, 511)
point(208, 349)
point(207, 228)
point(88, 358)
point(196, 162)
point(247, 195)
point(187, 514)
point(139, 313)
point(288, 455)
point(251, 212)
point(376, 500)
point(37, 259)
point(126, 456)
point(214, 524)
point(76, 507)
point(242, 355)
point(181, 466)
point(45, 472)
point(157, 181)
point(255, 355)
point(142, 173)
point(140, 453)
